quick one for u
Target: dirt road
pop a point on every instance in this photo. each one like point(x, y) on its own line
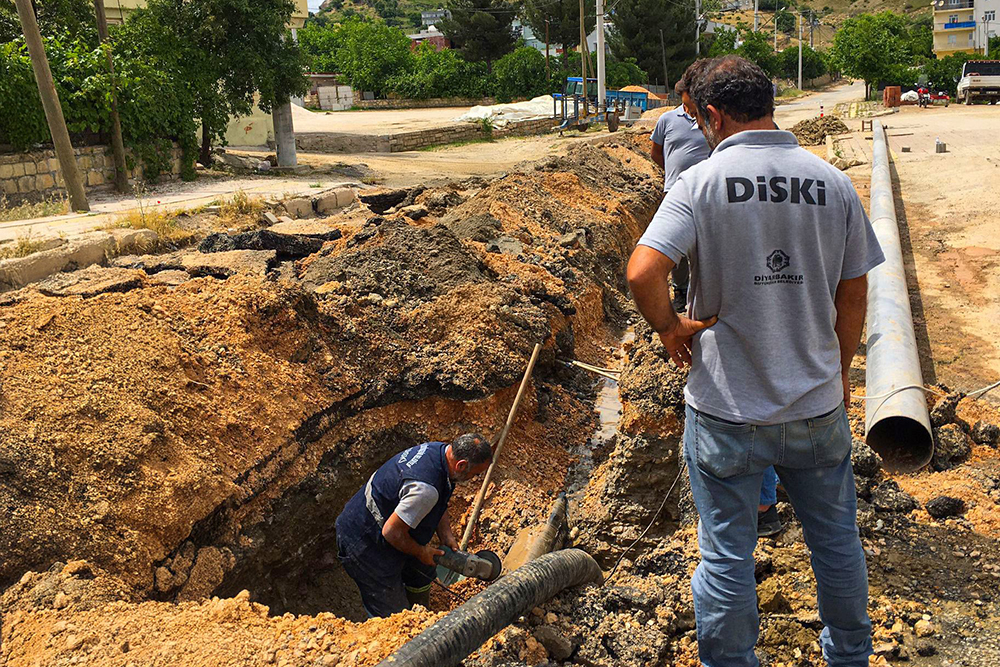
point(949, 208)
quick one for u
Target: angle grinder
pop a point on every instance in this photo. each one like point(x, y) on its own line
point(483, 564)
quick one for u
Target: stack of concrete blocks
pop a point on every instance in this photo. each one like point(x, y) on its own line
point(335, 98)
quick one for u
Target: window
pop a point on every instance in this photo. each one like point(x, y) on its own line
point(953, 39)
point(972, 38)
point(952, 18)
point(990, 15)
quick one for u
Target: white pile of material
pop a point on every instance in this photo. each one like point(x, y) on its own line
point(501, 114)
point(910, 96)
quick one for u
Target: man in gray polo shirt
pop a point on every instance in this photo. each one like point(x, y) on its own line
point(678, 144)
point(779, 246)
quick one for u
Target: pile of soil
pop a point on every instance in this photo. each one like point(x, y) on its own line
point(194, 437)
point(813, 131)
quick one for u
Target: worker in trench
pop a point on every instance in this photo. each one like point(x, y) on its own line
point(678, 143)
point(779, 247)
point(385, 529)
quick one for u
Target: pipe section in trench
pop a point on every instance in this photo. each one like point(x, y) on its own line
point(897, 424)
point(454, 637)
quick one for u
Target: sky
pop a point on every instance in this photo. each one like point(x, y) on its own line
point(314, 5)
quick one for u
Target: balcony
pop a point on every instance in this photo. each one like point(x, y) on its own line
point(949, 5)
point(958, 25)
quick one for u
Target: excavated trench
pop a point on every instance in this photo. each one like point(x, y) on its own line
point(262, 406)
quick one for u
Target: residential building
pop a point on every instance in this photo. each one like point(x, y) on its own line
point(432, 35)
point(964, 25)
point(434, 16)
point(524, 31)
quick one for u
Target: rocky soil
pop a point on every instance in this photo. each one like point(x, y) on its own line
point(176, 441)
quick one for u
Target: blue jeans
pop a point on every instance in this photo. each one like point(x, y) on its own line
point(769, 487)
point(726, 463)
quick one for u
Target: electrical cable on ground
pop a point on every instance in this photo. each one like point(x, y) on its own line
point(663, 504)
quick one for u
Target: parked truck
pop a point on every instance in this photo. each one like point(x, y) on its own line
point(980, 81)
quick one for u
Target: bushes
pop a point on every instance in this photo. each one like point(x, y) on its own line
point(440, 74)
point(813, 64)
point(520, 73)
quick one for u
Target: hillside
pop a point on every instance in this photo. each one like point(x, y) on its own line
point(404, 14)
point(833, 14)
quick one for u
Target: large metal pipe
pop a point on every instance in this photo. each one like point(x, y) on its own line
point(454, 637)
point(897, 424)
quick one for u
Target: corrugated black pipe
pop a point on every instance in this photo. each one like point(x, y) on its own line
point(454, 637)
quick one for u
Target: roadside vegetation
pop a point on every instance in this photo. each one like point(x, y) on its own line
point(25, 211)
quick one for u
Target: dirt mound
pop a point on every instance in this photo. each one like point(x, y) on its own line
point(199, 439)
point(813, 131)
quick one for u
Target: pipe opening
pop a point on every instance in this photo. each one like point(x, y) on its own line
point(903, 443)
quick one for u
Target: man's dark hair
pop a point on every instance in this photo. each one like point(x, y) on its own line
point(473, 448)
point(734, 85)
point(684, 83)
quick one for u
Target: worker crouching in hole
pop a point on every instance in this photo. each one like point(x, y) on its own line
point(385, 530)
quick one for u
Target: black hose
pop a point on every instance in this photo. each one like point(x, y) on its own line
point(454, 637)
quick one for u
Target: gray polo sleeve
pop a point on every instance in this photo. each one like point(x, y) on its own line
point(862, 252)
point(416, 500)
point(672, 230)
point(659, 135)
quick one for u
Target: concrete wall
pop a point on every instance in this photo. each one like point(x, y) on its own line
point(254, 130)
point(35, 174)
point(338, 142)
point(423, 104)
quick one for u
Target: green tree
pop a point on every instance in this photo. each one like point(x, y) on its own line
point(620, 73)
point(945, 73)
point(370, 53)
point(870, 47)
point(521, 74)
point(813, 64)
point(563, 19)
point(723, 42)
point(481, 29)
point(786, 21)
point(756, 47)
point(319, 43)
point(920, 39)
point(636, 35)
point(231, 51)
point(440, 74)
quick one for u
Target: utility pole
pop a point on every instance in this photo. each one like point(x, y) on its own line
point(663, 52)
point(117, 145)
point(697, 27)
point(800, 50)
point(812, 24)
point(601, 88)
point(583, 56)
point(53, 111)
point(777, 9)
point(756, 7)
point(987, 29)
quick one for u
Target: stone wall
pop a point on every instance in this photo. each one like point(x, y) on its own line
point(408, 141)
point(35, 174)
point(343, 142)
point(422, 104)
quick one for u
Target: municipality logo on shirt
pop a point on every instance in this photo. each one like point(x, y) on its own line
point(777, 262)
point(776, 190)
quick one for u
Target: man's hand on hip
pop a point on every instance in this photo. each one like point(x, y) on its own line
point(847, 389)
point(677, 340)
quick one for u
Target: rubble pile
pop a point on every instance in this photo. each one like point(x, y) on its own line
point(813, 131)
